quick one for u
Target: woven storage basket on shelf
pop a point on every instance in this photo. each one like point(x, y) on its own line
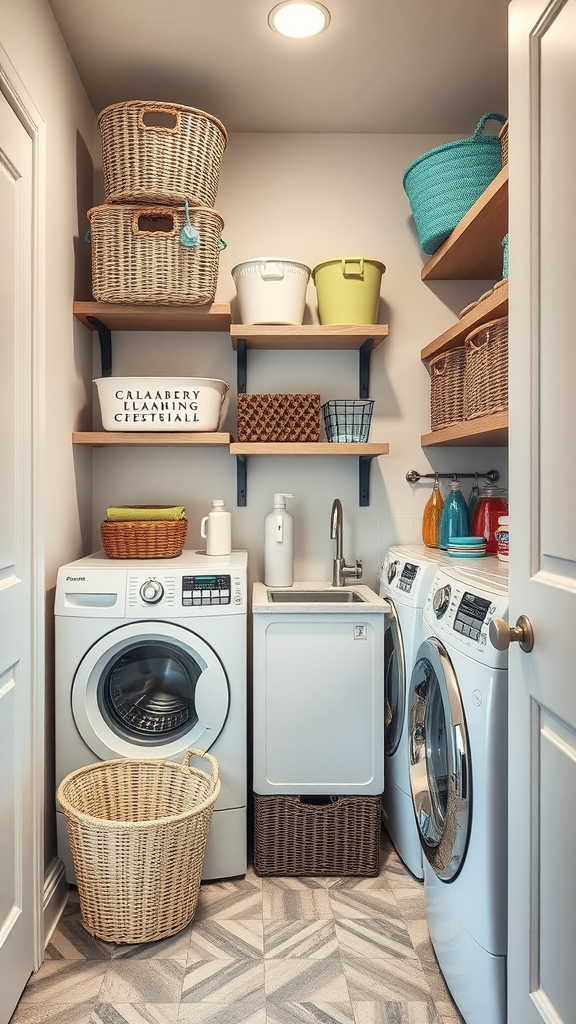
point(137, 255)
point(294, 837)
point(444, 183)
point(278, 417)
point(447, 388)
point(138, 832)
point(163, 162)
point(486, 374)
point(143, 539)
point(504, 143)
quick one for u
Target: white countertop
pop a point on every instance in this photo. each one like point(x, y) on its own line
point(371, 602)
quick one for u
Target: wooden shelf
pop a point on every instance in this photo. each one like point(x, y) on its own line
point(308, 336)
point(150, 439)
point(474, 249)
point(308, 448)
point(486, 431)
point(494, 306)
point(141, 317)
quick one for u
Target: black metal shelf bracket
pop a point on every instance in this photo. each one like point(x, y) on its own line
point(105, 339)
point(241, 365)
point(364, 480)
point(241, 481)
point(364, 353)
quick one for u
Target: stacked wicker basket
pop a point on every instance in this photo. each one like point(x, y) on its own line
point(157, 238)
point(471, 380)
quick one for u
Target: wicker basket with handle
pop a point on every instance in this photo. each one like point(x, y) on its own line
point(138, 832)
point(143, 539)
point(486, 373)
point(160, 153)
point(137, 255)
point(447, 388)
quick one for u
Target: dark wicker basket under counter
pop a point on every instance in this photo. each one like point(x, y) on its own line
point(278, 418)
point(334, 836)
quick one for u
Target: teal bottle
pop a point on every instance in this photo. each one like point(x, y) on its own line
point(454, 519)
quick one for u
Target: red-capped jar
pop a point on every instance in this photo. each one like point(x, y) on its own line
point(492, 503)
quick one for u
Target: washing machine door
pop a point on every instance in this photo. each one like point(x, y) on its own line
point(150, 689)
point(439, 754)
point(394, 681)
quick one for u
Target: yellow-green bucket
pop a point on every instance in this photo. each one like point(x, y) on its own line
point(348, 290)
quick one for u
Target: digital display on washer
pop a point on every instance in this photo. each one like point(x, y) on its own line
point(409, 573)
point(470, 616)
point(204, 590)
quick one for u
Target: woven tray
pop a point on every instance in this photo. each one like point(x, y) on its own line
point(149, 539)
point(138, 832)
point(137, 255)
point(447, 388)
point(178, 157)
point(293, 837)
point(486, 373)
point(278, 417)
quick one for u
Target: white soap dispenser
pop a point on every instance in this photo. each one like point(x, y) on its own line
point(279, 544)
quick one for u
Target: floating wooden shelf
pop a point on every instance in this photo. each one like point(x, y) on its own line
point(486, 431)
point(308, 336)
point(474, 249)
point(308, 448)
point(489, 309)
point(142, 317)
point(150, 439)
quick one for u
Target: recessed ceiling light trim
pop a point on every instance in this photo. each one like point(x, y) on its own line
point(299, 19)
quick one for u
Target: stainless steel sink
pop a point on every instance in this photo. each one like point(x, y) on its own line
point(315, 597)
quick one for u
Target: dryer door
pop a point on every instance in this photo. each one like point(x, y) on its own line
point(150, 689)
point(440, 769)
point(394, 681)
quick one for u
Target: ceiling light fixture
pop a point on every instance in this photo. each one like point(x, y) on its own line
point(299, 20)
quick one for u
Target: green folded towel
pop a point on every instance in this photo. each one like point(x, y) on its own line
point(144, 513)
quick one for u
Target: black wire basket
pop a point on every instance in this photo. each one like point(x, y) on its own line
point(348, 419)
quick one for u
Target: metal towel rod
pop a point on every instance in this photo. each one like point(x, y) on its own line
point(413, 476)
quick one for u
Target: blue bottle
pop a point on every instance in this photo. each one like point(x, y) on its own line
point(454, 519)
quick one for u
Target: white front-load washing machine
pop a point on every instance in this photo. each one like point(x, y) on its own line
point(405, 579)
point(457, 709)
point(151, 661)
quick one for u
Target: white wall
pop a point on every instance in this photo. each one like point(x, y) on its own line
point(309, 197)
point(37, 62)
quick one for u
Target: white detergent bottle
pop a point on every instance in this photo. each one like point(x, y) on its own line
point(279, 544)
point(216, 528)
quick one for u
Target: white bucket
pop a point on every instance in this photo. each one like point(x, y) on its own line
point(162, 403)
point(271, 290)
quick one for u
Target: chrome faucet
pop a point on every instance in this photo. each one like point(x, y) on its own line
point(341, 571)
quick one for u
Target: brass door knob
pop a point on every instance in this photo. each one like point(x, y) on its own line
point(502, 635)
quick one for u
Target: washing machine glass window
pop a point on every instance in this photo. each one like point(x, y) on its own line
point(440, 772)
point(148, 692)
point(394, 682)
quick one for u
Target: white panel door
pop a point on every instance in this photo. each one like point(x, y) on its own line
point(16, 808)
point(542, 719)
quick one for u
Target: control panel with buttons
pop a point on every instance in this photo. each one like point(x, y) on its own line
point(206, 590)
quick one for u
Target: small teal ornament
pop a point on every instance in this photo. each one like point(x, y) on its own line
point(189, 236)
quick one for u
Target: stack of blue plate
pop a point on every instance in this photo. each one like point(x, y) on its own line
point(466, 547)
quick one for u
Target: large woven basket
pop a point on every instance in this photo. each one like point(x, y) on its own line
point(486, 373)
point(447, 388)
point(444, 183)
point(138, 832)
point(143, 539)
point(504, 143)
point(137, 255)
point(278, 417)
point(295, 837)
point(178, 157)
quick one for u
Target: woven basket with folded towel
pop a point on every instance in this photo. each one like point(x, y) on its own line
point(144, 531)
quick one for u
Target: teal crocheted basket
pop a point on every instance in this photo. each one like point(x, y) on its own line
point(444, 183)
point(505, 257)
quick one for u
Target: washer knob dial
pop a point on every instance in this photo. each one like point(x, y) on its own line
point(441, 600)
point(152, 591)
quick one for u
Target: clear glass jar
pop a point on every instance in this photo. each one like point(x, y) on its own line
point(492, 503)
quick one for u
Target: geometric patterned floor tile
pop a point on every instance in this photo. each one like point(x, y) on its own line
point(223, 981)
point(247, 1011)
point(52, 1013)
point(396, 1013)
point(309, 1013)
point(283, 899)
point(411, 903)
point(240, 899)
point(314, 940)
point(134, 1013)
point(303, 981)
point(155, 981)
point(212, 939)
point(390, 980)
point(65, 981)
point(375, 937)
point(173, 948)
point(352, 898)
point(71, 941)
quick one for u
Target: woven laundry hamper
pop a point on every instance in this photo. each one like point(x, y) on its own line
point(138, 831)
point(278, 418)
point(143, 539)
point(137, 255)
point(447, 388)
point(296, 835)
point(486, 371)
point(160, 153)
